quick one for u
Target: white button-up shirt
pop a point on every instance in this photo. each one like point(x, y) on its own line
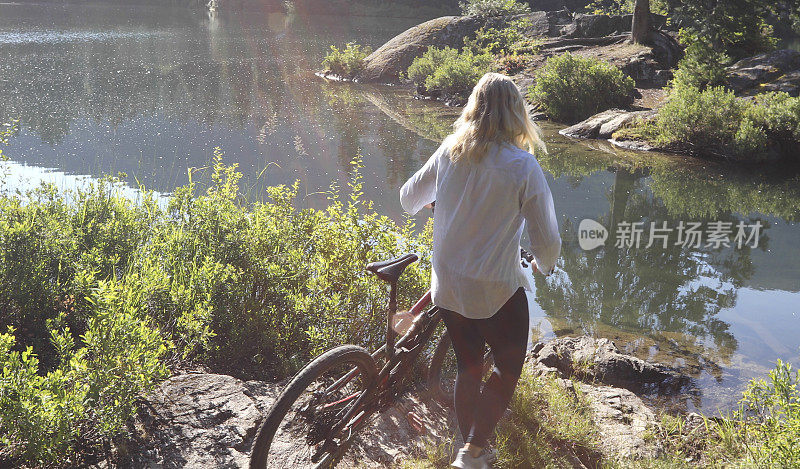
point(480, 214)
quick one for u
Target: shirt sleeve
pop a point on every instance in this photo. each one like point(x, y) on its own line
point(539, 212)
point(420, 189)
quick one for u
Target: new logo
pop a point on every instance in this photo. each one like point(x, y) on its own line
point(591, 234)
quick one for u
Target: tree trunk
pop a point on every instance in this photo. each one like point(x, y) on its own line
point(641, 21)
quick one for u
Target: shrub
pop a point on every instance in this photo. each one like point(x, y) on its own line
point(425, 65)
point(511, 39)
point(701, 65)
point(513, 63)
point(88, 395)
point(714, 122)
point(772, 407)
point(6, 131)
point(739, 27)
point(770, 120)
point(54, 249)
point(700, 121)
point(570, 88)
point(448, 72)
point(346, 62)
point(105, 291)
point(493, 7)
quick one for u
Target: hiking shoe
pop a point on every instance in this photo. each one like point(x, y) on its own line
point(465, 461)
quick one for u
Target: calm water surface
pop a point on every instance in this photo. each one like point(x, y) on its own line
point(151, 91)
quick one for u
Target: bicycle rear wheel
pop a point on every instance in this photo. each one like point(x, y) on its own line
point(297, 430)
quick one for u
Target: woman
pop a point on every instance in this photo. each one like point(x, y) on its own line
point(485, 185)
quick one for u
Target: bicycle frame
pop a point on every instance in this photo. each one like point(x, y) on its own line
point(399, 355)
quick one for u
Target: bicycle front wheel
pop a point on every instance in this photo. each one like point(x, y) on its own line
point(443, 369)
point(300, 428)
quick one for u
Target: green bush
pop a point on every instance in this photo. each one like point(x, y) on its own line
point(493, 7)
point(88, 395)
point(700, 121)
point(701, 65)
point(448, 72)
point(105, 291)
point(53, 253)
point(511, 39)
point(570, 88)
point(346, 62)
point(6, 131)
point(736, 27)
point(714, 122)
point(772, 408)
point(512, 63)
point(426, 65)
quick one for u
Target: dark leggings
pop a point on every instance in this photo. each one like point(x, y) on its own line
point(478, 411)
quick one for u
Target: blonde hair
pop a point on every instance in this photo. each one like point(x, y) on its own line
point(494, 114)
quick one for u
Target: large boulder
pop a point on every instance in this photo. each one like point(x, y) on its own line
point(549, 24)
point(393, 58)
point(772, 71)
point(388, 62)
point(599, 360)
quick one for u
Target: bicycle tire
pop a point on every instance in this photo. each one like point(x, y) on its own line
point(434, 378)
point(345, 355)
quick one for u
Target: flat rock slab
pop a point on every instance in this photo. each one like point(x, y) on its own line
point(197, 420)
point(626, 423)
point(772, 71)
point(204, 420)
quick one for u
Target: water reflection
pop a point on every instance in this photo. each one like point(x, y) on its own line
point(670, 295)
point(151, 91)
point(675, 304)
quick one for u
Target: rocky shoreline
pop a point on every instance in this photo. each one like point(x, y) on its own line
point(599, 36)
point(772, 71)
point(210, 420)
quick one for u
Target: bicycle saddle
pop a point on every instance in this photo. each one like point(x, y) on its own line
point(390, 271)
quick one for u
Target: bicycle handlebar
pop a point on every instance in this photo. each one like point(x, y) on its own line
point(525, 255)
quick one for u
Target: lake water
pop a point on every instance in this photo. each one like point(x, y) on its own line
point(150, 91)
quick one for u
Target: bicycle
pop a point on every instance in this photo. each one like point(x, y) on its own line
point(315, 419)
